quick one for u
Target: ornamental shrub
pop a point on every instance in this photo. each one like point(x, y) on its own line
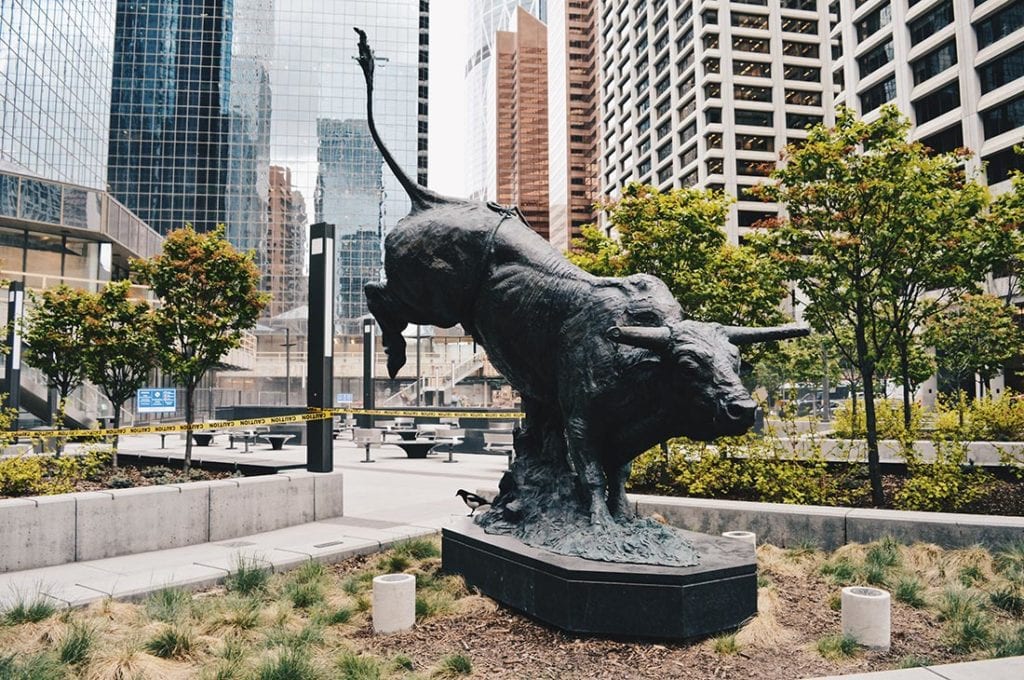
point(944, 485)
point(889, 416)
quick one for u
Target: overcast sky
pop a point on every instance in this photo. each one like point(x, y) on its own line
point(448, 40)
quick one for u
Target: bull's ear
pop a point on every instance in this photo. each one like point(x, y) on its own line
point(745, 335)
point(649, 337)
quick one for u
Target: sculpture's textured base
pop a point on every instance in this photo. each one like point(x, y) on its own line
point(619, 600)
point(539, 505)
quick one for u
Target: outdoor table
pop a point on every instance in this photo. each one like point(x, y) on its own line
point(406, 434)
point(247, 437)
point(276, 440)
point(416, 448)
point(204, 438)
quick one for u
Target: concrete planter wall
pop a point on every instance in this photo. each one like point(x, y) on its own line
point(829, 528)
point(48, 530)
point(889, 450)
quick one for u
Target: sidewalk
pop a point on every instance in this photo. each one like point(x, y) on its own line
point(385, 502)
point(1011, 668)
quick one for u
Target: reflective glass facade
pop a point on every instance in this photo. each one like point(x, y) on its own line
point(55, 61)
point(251, 113)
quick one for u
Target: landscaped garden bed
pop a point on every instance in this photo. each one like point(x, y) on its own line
point(46, 474)
point(314, 622)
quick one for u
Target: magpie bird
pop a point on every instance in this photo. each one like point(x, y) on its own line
point(471, 500)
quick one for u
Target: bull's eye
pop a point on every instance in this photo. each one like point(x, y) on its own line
point(687, 362)
point(647, 318)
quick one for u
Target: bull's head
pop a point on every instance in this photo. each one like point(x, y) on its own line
point(705, 358)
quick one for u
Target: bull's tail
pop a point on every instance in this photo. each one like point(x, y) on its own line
point(421, 198)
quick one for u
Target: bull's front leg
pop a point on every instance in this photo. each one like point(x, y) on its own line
point(618, 503)
point(589, 472)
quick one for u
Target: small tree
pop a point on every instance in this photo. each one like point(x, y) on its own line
point(55, 342)
point(976, 337)
point(121, 346)
point(873, 222)
point(208, 295)
point(678, 236)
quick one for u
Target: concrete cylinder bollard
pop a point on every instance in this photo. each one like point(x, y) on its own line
point(394, 602)
point(748, 536)
point(866, 616)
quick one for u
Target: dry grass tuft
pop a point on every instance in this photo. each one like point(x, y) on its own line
point(128, 661)
point(780, 562)
point(765, 631)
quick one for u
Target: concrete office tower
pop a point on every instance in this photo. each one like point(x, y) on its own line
point(486, 18)
point(707, 94)
point(210, 94)
point(521, 164)
point(572, 117)
point(286, 219)
point(55, 63)
point(954, 66)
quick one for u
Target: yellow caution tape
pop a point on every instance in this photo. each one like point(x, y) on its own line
point(249, 422)
point(425, 414)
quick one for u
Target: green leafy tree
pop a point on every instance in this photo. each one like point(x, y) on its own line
point(678, 236)
point(1007, 214)
point(121, 346)
point(873, 222)
point(208, 295)
point(976, 337)
point(54, 337)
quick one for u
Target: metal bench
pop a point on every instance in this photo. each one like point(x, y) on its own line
point(367, 436)
point(451, 437)
point(500, 442)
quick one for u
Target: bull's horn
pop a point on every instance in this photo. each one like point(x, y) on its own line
point(648, 337)
point(746, 335)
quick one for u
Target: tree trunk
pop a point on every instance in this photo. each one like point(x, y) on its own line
point(960, 401)
point(190, 392)
point(117, 424)
point(905, 375)
point(62, 402)
point(867, 374)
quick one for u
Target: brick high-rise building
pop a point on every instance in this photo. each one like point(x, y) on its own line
point(573, 117)
point(521, 116)
point(286, 219)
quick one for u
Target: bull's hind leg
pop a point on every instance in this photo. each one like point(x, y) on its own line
point(618, 503)
point(589, 474)
point(388, 313)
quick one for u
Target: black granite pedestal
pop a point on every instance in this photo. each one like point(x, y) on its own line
point(602, 598)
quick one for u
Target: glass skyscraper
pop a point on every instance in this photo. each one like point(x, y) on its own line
point(210, 95)
point(55, 60)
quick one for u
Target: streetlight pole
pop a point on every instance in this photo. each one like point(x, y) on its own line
point(288, 344)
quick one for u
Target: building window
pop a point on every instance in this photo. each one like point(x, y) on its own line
point(688, 108)
point(875, 58)
point(751, 93)
point(803, 5)
point(801, 121)
point(690, 131)
point(873, 97)
point(870, 24)
point(755, 143)
point(999, 165)
point(752, 69)
point(741, 20)
point(1001, 71)
point(803, 97)
point(791, 25)
point(800, 49)
point(761, 3)
point(999, 24)
point(711, 41)
point(664, 151)
point(713, 140)
point(744, 192)
point(710, 16)
point(744, 44)
point(758, 118)
point(715, 166)
point(947, 140)
point(712, 90)
point(809, 74)
point(712, 65)
point(748, 218)
point(931, 23)
point(688, 156)
point(712, 115)
point(1003, 118)
point(935, 62)
point(644, 167)
point(663, 129)
point(747, 166)
point(933, 105)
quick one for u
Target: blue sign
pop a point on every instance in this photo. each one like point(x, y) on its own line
point(344, 398)
point(156, 400)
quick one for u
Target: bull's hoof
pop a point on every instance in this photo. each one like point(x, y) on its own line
point(622, 511)
point(600, 516)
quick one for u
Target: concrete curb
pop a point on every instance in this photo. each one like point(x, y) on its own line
point(829, 528)
point(51, 530)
